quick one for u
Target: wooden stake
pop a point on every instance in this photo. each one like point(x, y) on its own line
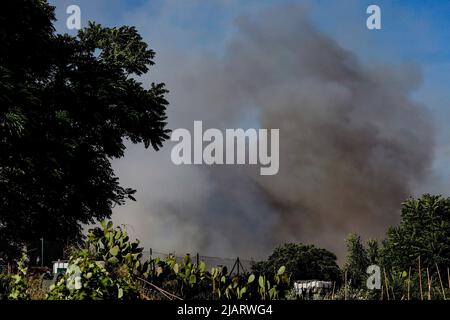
point(345, 286)
point(448, 277)
point(440, 281)
point(409, 281)
point(420, 281)
point(387, 284)
point(393, 294)
point(429, 284)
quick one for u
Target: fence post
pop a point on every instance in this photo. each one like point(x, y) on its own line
point(420, 281)
point(440, 281)
point(238, 263)
point(345, 285)
point(409, 282)
point(152, 264)
point(448, 277)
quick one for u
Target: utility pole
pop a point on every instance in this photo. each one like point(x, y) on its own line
point(42, 251)
point(152, 263)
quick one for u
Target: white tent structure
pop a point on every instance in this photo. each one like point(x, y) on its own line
point(303, 287)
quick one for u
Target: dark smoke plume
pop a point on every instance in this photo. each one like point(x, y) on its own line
point(353, 145)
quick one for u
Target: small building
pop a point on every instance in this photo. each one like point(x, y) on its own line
point(60, 266)
point(308, 287)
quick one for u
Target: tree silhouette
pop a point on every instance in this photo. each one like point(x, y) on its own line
point(67, 105)
point(357, 261)
point(303, 262)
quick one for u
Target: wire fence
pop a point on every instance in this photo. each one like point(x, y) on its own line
point(234, 265)
point(44, 253)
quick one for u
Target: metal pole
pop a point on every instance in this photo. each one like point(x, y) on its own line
point(238, 263)
point(152, 266)
point(42, 251)
point(345, 285)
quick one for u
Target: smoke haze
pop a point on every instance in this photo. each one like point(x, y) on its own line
point(353, 144)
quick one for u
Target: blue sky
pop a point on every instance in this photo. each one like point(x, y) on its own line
point(413, 32)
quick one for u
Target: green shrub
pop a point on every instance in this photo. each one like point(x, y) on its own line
point(190, 281)
point(18, 287)
point(90, 280)
point(103, 269)
point(5, 284)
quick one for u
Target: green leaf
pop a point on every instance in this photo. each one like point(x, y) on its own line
point(120, 293)
point(241, 292)
point(272, 293)
point(281, 270)
point(114, 251)
point(251, 278)
point(192, 279)
point(261, 281)
point(113, 260)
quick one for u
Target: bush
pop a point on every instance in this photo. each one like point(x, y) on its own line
point(302, 262)
point(5, 284)
point(190, 281)
point(18, 287)
point(90, 280)
point(103, 269)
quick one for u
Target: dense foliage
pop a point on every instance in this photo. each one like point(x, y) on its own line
point(17, 284)
point(357, 261)
point(109, 266)
point(5, 283)
point(414, 256)
point(103, 269)
point(189, 281)
point(424, 231)
point(302, 262)
point(92, 280)
point(67, 105)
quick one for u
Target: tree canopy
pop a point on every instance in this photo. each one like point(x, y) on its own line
point(303, 262)
point(424, 231)
point(67, 106)
point(357, 260)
